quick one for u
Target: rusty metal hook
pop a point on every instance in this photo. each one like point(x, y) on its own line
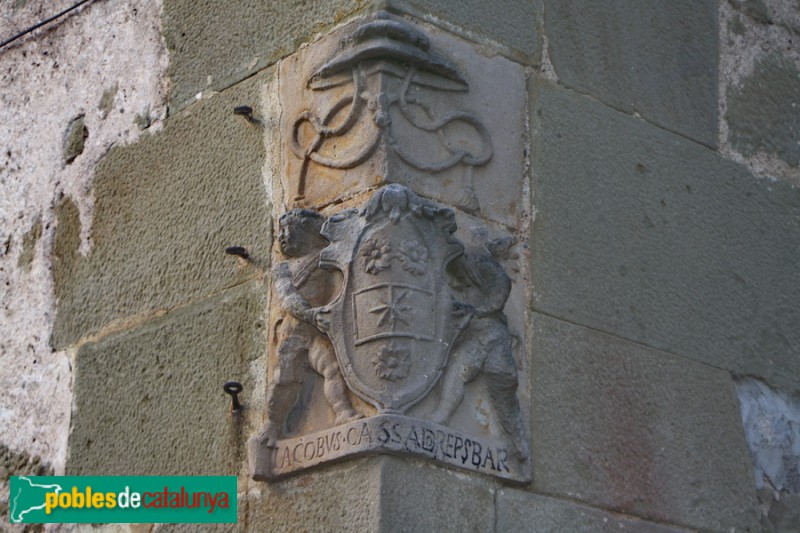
point(233, 388)
point(238, 251)
point(246, 112)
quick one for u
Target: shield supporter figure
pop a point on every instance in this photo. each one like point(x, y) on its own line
point(394, 322)
point(300, 286)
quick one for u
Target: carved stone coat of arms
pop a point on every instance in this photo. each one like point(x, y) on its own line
point(390, 331)
point(394, 323)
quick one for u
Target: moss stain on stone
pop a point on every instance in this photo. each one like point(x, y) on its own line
point(29, 241)
point(143, 120)
point(74, 140)
point(107, 100)
point(67, 243)
point(762, 114)
point(737, 27)
point(755, 9)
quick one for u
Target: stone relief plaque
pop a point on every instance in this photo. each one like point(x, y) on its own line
point(398, 295)
point(382, 101)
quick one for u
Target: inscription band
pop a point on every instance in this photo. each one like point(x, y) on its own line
point(395, 434)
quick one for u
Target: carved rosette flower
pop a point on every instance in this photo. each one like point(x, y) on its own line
point(377, 256)
point(392, 362)
point(414, 257)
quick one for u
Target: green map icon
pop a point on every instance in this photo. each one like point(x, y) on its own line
point(27, 499)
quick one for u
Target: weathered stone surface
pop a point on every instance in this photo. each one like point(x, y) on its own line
point(519, 512)
point(215, 44)
point(635, 430)
point(652, 58)
point(649, 236)
point(75, 138)
point(47, 78)
point(753, 8)
point(66, 246)
point(29, 241)
point(758, 68)
point(771, 422)
point(373, 494)
point(149, 401)
point(342, 497)
point(417, 497)
point(516, 25)
point(165, 210)
point(764, 112)
point(770, 12)
point(782, 515)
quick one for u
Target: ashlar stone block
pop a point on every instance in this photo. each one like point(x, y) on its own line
point(513, 26)
point(519, 512)
point(149, 400)
point(378, 493)
point(165, 210)
point(214, 45)
point(445, 501)
point(630, 429)
point(342, 497)
point(649, 236)
point(657, 59)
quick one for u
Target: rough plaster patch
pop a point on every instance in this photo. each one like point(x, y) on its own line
point(764, 114)
point(749, 32)
point(771, 421)
point(783, 12)
point(270, 100)
point(47, 79)
point(20, 464)
point(546, 70)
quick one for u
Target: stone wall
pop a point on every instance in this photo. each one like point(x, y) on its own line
point(69, 92)
point(663, 164)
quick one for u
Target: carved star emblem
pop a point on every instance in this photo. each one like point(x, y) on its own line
point(392, 310)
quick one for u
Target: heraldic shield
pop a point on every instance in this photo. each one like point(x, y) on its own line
point(394, 322)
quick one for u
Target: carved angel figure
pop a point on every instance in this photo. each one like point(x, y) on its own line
point(302, 290)
point(485, 347)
